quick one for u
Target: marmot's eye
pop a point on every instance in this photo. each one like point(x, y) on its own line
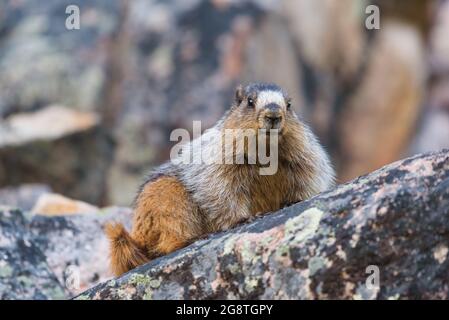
point(250, 102)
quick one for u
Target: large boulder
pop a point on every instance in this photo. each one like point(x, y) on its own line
point(64, 148)
point(54, 257)
point(392, 224)
point(75, 246)
point(43, 63)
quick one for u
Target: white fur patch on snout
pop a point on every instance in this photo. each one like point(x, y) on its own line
point(266, 97)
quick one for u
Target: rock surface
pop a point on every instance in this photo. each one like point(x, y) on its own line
point(24, 272)
point(395, 218)
point(23, 196)
point(53, 257)
point(65, 148)
point(53, 204)
point(76, 246)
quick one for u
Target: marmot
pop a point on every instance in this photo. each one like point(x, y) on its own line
point(181, 202)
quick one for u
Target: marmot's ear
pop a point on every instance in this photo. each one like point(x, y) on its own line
point(239, 94)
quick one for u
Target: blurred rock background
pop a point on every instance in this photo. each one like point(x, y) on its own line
point(88, 112)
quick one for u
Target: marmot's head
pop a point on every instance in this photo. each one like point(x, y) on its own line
point(262, 105)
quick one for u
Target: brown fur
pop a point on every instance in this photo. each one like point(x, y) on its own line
point(125, 253)
point(180, 203)
point(164, 220)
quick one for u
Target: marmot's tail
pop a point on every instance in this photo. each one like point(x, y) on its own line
point(125, 254)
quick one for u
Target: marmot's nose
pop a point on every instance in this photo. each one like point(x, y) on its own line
point(273, 118)
point(273, 114)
